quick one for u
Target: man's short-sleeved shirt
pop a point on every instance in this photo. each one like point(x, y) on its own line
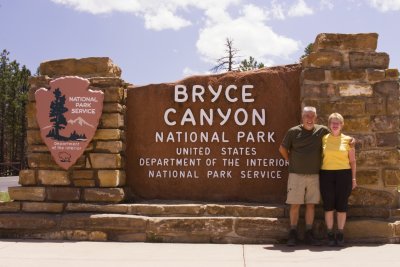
point(305, 148)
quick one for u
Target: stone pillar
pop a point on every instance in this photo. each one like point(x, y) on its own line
point(99, 174)
point(344, 74)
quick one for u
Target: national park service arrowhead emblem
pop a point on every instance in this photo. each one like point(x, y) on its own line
point(68, 114)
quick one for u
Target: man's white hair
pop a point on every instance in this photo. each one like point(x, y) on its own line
point(310, 109)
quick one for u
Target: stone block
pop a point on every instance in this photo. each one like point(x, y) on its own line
point(97, 208)
point(348, 75)
point(387, 139)
point(48, 177)
point(63, 194)
point(368, 60)
point(202, 229)
point(360, 124)
point(385, 123)
point(319, 90)
point(346, 42)
point(107, 134)
point(111, 178)
point(325, 59)
point(104, 194)
point(355, 89)
point(84, 67)
point(27, 177)
point(105, 161)
point(262, 228)
point(31, 115)
point(375, 75)
point(106, 82)
point(84, 183)
point(82, 174)
point(314, 75)
point(33, 137)
point(391, 177)
point(27, 221)
point(27, 193)
point(42, 207)
point(371, 198)
point(350, 107)
point(111, 120)
point(113, 94)
point(11, 206)
point(104, 222)
point(375, 105)
point(39, 81)
point(113, 108)
point(378, 158)
point(392, 74)
point(167, 210)
point(365, 141)
point(368, 177)
point(357, 229)
point(387, 88)
point(110, 146)
point(393, 106)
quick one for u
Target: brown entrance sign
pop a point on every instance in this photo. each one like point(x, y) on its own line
point(68, 114)
point(212, 138)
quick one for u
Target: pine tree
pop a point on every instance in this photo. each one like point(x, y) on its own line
point(13, 97)
point(57, 109)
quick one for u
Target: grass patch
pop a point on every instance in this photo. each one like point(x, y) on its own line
point(4, 197)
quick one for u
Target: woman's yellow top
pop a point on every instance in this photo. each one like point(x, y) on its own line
point(335, 152)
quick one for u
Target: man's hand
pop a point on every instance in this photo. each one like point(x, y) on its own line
point(353, 142)
point(284, 152)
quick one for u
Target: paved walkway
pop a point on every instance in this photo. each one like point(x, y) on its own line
point(99, 254)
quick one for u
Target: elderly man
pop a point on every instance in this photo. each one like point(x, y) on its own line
point(301, 146)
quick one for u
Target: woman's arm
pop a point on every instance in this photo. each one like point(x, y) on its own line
point(352, 160)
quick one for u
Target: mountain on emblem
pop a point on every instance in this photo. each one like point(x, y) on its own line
point(68, 114)
point(80, 121)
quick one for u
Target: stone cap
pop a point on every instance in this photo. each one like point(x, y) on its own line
point(83, 67)
point(349, 42)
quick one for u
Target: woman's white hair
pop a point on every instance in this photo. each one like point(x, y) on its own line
point(310, 109)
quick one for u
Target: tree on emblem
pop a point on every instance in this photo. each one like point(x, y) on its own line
point(57, 109)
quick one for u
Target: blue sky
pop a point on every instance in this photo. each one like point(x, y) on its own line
point(157, 41)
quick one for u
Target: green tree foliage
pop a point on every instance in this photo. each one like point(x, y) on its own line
point(250, 64)
point(307, 50)
point(13, 97)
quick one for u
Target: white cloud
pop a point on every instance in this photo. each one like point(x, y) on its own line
point(385, 5)
point(164, 19)
point(326, 4)
point(157, 14)
point(250, 35)
point(300, 9)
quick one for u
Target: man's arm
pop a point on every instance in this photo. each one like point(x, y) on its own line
point(284, 152)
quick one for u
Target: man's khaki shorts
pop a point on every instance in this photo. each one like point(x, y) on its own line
point(303, 189)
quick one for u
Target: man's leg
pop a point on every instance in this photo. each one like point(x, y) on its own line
point(294, 215)
point(310, 211)
point(294, 219)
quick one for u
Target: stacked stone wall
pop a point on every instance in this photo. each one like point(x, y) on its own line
point(99, 174)
point(345, 74)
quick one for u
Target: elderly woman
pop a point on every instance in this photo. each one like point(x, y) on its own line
point(337, 177)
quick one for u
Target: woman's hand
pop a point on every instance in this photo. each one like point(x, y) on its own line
point(354, 184)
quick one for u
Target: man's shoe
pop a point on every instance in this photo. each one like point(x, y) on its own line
point(331, 239)
point(340, 239)
point(310, 240)
point(292, 240)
